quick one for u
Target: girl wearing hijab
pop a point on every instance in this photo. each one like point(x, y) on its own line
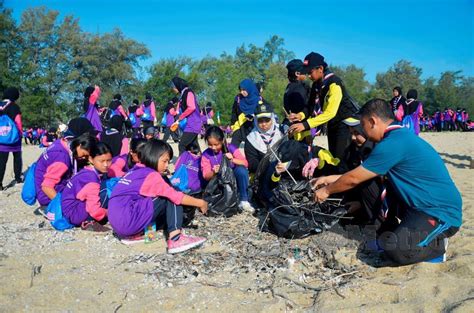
point(134, 115)
point(242, 119)
point(398, 99)
point(55, 165)
point(265, 134)
point(114, 138)
point(116, 108)
point(149, 112)
point(410, 112)
point(9, 108)
point(49, 137)
point(190, 109)
point(171, 112)
point(91, 95)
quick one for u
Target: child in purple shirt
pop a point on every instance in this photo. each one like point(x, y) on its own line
point(123, 163)
point(143, 197)
point(80, 201)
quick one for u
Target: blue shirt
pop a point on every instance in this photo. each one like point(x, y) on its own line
point(418, 174)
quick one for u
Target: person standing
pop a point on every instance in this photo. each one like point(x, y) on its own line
point(329, 93)
point(10, 133)
point(190, 109)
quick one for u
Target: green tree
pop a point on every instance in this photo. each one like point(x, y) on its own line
point(354, 80)
point(402, 74)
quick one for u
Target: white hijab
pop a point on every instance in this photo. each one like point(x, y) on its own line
point(261, 139)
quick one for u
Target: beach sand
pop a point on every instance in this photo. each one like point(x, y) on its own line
point(45, 270)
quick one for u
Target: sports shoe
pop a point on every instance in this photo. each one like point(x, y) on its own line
point(246, 206)
point(185, 242)
point(131, 240)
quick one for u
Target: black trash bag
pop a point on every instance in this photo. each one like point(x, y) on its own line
point(221, 192)
point(294, 214)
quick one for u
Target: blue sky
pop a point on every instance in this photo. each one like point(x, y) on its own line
point(435, 35)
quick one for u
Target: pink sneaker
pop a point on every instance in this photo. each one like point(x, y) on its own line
point(185, 242)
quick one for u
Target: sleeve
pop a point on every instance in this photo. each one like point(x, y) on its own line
point(125, 146)
point(53, 174)
point(332, 102)
point(122, 111)
point(252, 156)
point(44, 141)
point(235, 112)
point(383, 157)
point(90, 194)
point(239, 156)
point(116, 169)
point(153, 110)
point(19, 124)
point(173, 112)
point(399, 113)
point(95, 95)
point(191, 106)
point(206, 168)
point(155, 186)
point(139, 111)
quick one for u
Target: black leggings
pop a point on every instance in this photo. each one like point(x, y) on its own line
point(17, 165)
point(419, 237)
point(186, 139)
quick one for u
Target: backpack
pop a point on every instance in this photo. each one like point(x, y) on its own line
point(147, 113)
point(221, 192)
point(106, 187)
point(28, 192)
point(55, 214)
point(9, 133)
point(180, 178)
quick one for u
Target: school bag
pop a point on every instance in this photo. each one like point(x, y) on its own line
point(180, 179)
point(221, 192)
point(54, 213)
point(106, 187)
point(163, 119)
point(9, 133)
point(28, 192)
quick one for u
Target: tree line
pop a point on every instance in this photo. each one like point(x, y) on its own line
point(53, 60)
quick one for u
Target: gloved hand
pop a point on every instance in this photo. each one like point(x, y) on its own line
point(309, 167)
point(326, 157)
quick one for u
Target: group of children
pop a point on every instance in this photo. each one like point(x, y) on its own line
point(410, 110)
point(76, 169)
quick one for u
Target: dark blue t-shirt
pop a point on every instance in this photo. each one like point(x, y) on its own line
point(418, 175)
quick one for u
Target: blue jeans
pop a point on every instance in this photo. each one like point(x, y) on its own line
point(242, 178)
point(167, 213)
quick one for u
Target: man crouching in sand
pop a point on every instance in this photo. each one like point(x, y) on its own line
point(427, 207)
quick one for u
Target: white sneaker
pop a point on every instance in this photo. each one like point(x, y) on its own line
point(246, 206)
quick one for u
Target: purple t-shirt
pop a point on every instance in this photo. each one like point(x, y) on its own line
point(128, 211)
point(56, 153)
point(193, 168)
point(73, 208)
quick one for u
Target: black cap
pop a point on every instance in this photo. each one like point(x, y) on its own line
point(263, 110)
point(313, 60)
point(294, 66)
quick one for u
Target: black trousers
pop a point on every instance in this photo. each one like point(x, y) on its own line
point(17, 165)
point(419, 237)
point(186, 139)
point(339, 138)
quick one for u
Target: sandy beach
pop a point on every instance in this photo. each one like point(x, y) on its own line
point(239, 269)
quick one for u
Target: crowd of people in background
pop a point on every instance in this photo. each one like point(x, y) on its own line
point(118, 149)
